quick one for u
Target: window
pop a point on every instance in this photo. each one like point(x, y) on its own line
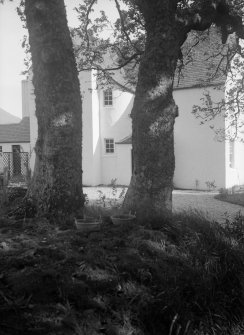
point(232, 154)
point(1, 149)
point(109, 145)
point(108, 97)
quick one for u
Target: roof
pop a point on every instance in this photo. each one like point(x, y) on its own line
point(126, 140)
point(202, 57)
point(204, 64)
point(15, 132)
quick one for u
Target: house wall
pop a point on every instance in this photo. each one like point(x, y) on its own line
point(91, 162)
point(115, 122)
point(29, 109)
point(239, 162)
point(124, 164)
point(234, 92)
point(235, 173)
point(7, 147)
point(199, 155)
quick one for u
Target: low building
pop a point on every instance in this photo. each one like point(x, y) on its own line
point(15, 149)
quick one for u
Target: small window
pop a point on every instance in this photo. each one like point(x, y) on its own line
point(108, 97)
point(109, 145)
point(232, 154)
point(1, 149)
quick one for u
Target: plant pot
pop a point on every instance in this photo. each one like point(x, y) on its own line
point(87, 224)
point(123, 219)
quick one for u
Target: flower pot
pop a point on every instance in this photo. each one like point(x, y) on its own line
point(123, 219)
point(87, 224)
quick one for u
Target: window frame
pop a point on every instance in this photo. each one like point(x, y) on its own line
point(108, 146)
point(108, 98)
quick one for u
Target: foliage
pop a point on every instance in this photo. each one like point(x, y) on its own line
point(235, 228)
point(210, 185)
point(235, 198)
point(114, 200)
point(121, 50)
point(231, 66)
point(16, 192)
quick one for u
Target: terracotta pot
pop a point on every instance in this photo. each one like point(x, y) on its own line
point(87, 224)
point(123, 219)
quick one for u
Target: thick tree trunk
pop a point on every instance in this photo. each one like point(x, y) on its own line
point(153, 117)
point(57, 182)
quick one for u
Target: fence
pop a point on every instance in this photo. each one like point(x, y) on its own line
point(14, 166)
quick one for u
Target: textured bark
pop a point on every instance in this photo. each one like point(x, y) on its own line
point(153, 115)
point(57, 182)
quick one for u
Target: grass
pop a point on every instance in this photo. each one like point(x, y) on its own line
point(235, 198)
point(180, 276)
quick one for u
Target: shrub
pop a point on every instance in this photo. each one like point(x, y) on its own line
point(197, 275)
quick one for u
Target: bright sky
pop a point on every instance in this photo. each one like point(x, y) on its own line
point(12, 55)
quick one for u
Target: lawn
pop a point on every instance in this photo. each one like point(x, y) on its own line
point(235, 198)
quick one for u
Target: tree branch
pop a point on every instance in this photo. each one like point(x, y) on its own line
point(123, 25)
point(109, 77)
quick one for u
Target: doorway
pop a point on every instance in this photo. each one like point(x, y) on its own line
point(16, 160)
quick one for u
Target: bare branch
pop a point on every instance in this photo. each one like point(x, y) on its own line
point(134, 56)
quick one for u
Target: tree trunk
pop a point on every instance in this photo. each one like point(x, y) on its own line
point(57, 182)
point(153, 117)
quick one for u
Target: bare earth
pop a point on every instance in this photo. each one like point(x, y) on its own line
point(183, 201)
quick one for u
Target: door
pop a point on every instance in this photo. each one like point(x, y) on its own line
point(16, 160)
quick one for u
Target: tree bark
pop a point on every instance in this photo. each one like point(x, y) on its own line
point(153, 115)
point(57, 181)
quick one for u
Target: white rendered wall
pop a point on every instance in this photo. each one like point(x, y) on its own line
point(29, 109)
point(7, 147)
point(235, 174)
point(124, 167)
point(234, 92)
point(199, 156)
point(239, 161)
point(115, 123)
point(91, 160)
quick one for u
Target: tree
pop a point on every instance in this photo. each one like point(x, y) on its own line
point(56, 186)
point(167, 24)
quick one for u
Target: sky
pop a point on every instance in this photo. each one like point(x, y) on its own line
point(12, 55)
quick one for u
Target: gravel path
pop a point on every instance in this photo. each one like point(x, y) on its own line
point(183, 201)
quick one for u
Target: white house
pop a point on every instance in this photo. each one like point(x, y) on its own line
point(201, 157)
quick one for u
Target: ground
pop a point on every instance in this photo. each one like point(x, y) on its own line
point(183, 200)
point(180, 276)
